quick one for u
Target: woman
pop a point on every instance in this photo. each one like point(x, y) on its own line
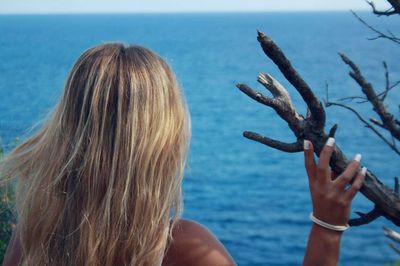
point(100, 183)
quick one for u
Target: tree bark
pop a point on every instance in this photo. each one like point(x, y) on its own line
point(312, 127)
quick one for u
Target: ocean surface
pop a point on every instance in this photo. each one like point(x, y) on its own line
point(254, 198)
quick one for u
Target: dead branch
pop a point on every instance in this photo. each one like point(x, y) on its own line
point(394, 248)
point(387, 119)
point(380, 34)
point(388, 12)
point(390, 143)
point(280, 102)
point(286, 68)
point(311, 127)
point(391, 234)
point(366, 218)
point(387, 82)
point(376, 122)
point(395, 8)
point(364, 100)
point(276, 144)
point(382, 95)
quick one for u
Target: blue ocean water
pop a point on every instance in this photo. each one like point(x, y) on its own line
point(254, 198)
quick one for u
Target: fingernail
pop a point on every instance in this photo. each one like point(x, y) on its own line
point(357, 157)
point(364, 171)
point(330, 142)
point(306, 144)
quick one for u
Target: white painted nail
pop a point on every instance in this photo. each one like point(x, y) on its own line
point(357, 157)
point(364, 171)
point(330, 142)
point(306, 144)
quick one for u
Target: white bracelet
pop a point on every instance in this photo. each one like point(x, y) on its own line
point(340, 228)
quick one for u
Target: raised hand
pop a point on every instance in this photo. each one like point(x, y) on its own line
point(331, 197)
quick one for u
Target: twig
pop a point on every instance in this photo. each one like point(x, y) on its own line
point(394, 248)
point(387, 82)
point(367, 124)
point(389, 89)
point(378, 106)
point(280, 102)
point(380, 34)
point(365, 100)
point(353, 98)
point(276, 144)
point(391, 234)
point(388, 12)
point(376, 122)
point(257, 96)
point(366, 218)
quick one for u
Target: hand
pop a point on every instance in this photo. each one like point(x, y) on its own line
point(331, 198)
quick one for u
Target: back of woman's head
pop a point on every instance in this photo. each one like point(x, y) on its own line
point(98, 183)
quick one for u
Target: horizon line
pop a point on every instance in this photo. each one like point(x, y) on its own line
point(181, 12)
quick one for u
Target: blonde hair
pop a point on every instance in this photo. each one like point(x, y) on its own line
point(100, 181)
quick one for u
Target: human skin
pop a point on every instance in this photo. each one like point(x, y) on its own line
point(194, 245)
point(331, 203)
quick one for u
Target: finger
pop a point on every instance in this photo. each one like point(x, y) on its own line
point(355, 187)
point(324, 158)
point(309, 160)
point(349, 172)
point(333, 175)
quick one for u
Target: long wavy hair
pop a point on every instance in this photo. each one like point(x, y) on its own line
point(100, 182)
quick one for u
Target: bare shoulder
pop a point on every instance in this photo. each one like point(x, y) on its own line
point(193, 244)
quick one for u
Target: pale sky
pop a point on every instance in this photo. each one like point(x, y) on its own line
point(134, 6)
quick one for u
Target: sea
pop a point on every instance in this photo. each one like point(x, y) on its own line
point(253, 198)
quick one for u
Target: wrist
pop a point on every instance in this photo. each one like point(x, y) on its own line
point(325, 232)
point(334, 227)
point(323, 246)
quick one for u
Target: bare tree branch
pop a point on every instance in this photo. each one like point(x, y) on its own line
point(395, 4)
point(383, 94)
point(276, 144)
point(380, 34)
point(365, 100)
point(312, 127)
point(365, 218)
point(367, 124)
point(378, 106)
point(387, 82)
point(395, 8)
point(388, 12)
point(257, 96)
point(394, 248)
point(391, 234)
point(280, 102)
point(376, 122)
point(286, 68)
point(282, 106)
